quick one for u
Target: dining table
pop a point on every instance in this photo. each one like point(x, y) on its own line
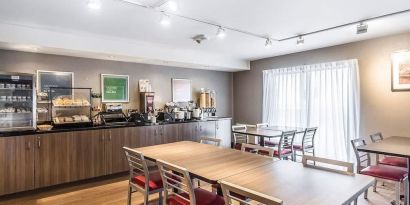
point(289, 181)
point(268, 132)
point(391, 146)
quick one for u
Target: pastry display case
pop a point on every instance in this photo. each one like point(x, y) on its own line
point(17, 102)
point(70, 106)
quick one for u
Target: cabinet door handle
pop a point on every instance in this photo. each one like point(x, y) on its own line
point(28, 145)
point(109, 137)
point(155, 132)
point(200, 128)
point(38, 142)
point(102, 137)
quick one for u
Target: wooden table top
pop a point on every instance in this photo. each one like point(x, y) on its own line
point(206, 162)
point(298, 185)
point(394, 146)
point(268, 132)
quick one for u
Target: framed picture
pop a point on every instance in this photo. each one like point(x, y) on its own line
point(48, 79)
point(401, 71)
point(114, 88)
point(181, 90)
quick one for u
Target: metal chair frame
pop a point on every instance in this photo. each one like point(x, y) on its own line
point(286, 142)
point(252, 196)
point(138, 165)
point(308, 142)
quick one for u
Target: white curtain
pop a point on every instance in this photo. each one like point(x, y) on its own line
point(322, 95)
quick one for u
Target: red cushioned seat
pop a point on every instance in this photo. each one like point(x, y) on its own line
point(202, 197)
point(271, 144)
point(299, 147)
point(394, 161)
point(238, 146)
point(155, 181)
point(218, 186)
point(283, 152)
point(385, 172)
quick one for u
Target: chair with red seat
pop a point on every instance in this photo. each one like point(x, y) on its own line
point(388, 160)
point(285, 147)
point(179, 190)
point(230, 192)
point(380, 172)
point(268, 142)
point(308, 143)
point(257, 149)
point(238, 138)
point(140, 178)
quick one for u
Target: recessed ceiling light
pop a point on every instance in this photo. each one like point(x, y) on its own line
point(165, 19)
point(300, 41)
point(94, 4)
point(221, 32)
point(173, 6)
point(361, 28)
point(268, 43)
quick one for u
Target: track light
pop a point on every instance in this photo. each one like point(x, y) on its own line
point(165, 19)
point(268, 43)
point(300, 41)
point(94, 4)
point(361, 28)
point(221, 32)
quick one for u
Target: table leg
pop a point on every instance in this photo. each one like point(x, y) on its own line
point(261, 141)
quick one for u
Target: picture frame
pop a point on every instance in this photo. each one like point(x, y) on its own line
point(114, 88)
point(400, 71)
point(181, 90)
point(48, 79)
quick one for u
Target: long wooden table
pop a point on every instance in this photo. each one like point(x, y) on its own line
point(393, 146)
point(268, 132)
point(206, 162)
point(286, 180)
point(298, 185)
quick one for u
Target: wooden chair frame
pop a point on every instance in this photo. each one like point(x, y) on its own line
point(257, 148)
point(347, 165)
point(237, 136)
point(176, 180)
point(138, 165)
point(204, 140)
point(227, 188)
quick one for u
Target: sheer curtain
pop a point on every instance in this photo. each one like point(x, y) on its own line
point(322, 95)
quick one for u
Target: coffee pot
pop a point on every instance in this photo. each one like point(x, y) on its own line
point(197, 113)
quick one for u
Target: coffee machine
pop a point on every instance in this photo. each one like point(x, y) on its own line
point(147, 102)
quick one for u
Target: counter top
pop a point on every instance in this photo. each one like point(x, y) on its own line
point(97, 127)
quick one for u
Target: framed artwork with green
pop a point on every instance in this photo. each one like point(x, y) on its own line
point(114, 88)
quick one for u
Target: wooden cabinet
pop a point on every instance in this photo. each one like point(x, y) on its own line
point(155, 135)
point(223, 132)
point(189, 131)
point(17, 164)
point(171, 133)
point(206, 129)
point(52, 159)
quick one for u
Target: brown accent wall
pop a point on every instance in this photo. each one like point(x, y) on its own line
point(87, 74)
point(381, 109)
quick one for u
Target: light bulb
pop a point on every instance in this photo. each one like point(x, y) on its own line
point(221, 33)
point(268, 43)
point(165, 19)
point(173, 6)
point(300, 41)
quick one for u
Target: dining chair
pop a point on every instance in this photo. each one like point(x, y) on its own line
point(308, 143)
point(267, 151)
point(238, 138)
point(209, 140)
point(268, 142)
point(140, 178)
point(179, 190)
point(328, 164)
point(230, 191)
point(387, 160)
point(380, 172)
point(285, 147)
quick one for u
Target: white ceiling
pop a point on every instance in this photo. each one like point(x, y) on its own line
point(121, 31)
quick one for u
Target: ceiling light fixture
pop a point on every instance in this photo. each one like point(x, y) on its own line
point(94, 4)
point(165, 19)
point(300, 41)
point(173, 6)
point(221, 32)
point(361, 28)
point(268, 43)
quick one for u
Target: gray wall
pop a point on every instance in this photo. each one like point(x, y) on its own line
point(381, 109)
point(87, 74)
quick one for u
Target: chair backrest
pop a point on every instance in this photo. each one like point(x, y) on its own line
point(328, 164)
point(176, 181)
point(239, 138)
point(137, 165)
point(262, 125)
point(209, 140)
point(376, 137)
point(230, 191)
point(309, 137)
point(257, 149)
point(362, 158)
point(286, 141)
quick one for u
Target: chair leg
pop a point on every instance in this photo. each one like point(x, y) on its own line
point(129, 195)
point(375, 186)
point(355, 201)
point(160, 198)
point(398, 190)
point(365, 194)
point(146, 198)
